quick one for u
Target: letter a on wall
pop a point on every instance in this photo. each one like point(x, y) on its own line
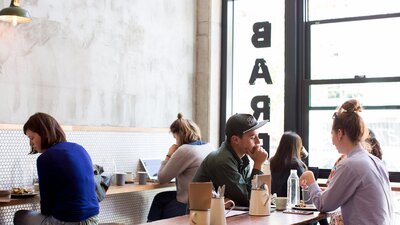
point(262, 35)
point(260, 64)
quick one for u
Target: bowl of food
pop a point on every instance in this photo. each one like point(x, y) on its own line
point(19, 192)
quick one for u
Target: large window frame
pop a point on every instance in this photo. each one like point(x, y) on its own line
point(298, 64)
point(297, 72)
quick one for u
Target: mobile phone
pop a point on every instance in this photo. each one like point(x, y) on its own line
point(241, 208)
point(293, 211)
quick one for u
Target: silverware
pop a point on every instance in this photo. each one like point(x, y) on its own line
point(222, 194)
point(214, 193)
point(219, 192)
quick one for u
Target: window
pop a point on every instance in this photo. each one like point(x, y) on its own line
point(352, 53)
point(241, 56)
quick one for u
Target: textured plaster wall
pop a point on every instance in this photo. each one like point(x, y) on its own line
point(100, 62)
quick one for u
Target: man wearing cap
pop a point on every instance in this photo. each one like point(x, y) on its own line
point(230, 164)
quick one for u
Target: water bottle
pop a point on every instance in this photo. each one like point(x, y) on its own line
point(293, 189)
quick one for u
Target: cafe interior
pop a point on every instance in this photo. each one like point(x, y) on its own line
point(116, 73)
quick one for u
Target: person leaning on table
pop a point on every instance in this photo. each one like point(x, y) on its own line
point(361, 185)
point(230, 164)
point(66, 178)
point(181, 162)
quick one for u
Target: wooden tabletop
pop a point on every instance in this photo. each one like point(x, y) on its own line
point(127, 188)
point(276, 218)
point(113, 190)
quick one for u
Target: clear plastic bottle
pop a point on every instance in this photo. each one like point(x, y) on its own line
point(293, 189)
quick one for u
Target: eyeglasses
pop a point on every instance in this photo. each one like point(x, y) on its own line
point(334, 115)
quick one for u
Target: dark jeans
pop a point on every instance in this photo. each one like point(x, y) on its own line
point(165, 206)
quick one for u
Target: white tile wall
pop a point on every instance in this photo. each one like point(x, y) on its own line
point(17, 168)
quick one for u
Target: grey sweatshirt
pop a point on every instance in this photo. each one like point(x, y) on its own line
point(183, 165)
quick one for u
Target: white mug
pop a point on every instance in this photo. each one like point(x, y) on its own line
point(199, 217)
point(260, 203)
point(280, 203)
point(218, 210)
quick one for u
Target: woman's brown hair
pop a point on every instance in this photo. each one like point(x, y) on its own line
point(47, 127)
point(348, 119)
point(288, 150)
point(187, 130)
point(373, 145)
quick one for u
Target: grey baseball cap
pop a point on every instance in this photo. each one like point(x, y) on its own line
point(239, 124)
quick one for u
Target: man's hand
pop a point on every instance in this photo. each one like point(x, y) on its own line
point(258, 155)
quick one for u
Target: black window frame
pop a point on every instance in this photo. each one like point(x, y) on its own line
point(298, 63)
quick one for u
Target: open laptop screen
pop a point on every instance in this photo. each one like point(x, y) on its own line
point(151, 166)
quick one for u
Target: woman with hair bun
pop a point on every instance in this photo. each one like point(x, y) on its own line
point(361, 185)
point(181, 162)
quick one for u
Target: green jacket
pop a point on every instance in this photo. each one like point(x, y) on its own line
point(225, 167)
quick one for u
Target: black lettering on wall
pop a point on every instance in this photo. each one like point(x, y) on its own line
point(262, 35)
point(260, 63)
point(265, 109)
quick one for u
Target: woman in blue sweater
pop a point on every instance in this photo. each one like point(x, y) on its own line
point(66, 178)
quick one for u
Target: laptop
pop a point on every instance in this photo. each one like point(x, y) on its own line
point(151, 166)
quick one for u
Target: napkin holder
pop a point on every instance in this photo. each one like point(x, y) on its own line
point(200, 202)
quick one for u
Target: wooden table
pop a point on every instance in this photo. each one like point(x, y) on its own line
point(127, 188)
point(276, 218)
point(113, 190)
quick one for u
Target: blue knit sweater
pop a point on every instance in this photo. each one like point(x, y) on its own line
point(66, 181)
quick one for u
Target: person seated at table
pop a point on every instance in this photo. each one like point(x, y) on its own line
point(373, 146)
point(181, 162)
point(286, 158)
point(360, 185)
point(230, 164)
point(66, 178)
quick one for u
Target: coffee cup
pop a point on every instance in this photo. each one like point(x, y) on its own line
point(280, 203)
point(142, 176)
point(5, 196)
point(305, 194)
point(218, 213)
point(201, 217)
point(260, 203)
point(120, 179)
point(129, 177)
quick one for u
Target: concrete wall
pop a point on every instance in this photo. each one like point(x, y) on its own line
point(208, 68)
point(98, 62)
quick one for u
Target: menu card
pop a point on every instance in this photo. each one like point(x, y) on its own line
point(200, 195)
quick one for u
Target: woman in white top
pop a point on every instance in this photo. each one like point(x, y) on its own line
point(181, 163)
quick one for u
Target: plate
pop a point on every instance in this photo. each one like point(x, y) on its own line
point(26, 195)
point(308, 207)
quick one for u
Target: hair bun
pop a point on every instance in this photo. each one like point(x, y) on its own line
point(180, 115)
point(352, 105)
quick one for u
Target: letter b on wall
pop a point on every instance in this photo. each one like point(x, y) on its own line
point(262, 35)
